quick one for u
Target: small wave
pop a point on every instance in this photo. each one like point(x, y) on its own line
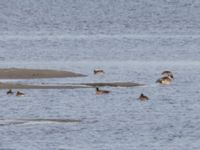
point(2, 58)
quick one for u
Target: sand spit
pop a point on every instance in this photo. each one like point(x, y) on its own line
point(19, 73)
point(36, 121)
point(39, 86)
point(113, 84)
point(66, 86)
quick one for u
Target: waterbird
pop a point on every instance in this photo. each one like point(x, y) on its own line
point(19, 93)
point(10, 92)
point(142, 97)
point(167, 73)
point(99, 92)
point(98, 71)
point(165, 80)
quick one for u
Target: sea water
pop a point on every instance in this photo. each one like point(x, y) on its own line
point(132, 41)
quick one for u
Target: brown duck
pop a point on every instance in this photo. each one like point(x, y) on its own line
point(167, 73)
point(99, 92)
point(142, 97)
point(98, 71)
point(165, 80)
point(19, 93)
point(9, 92)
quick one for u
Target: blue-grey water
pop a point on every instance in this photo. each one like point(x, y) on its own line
point(131, 40)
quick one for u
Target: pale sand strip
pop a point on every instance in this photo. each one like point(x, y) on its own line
point(66, 86)
point(113, 84)
point(39, 86)
point(36, 121)
point(20, 73)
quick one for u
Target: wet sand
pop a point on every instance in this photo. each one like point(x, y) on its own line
point(4, 122)
point(20, 73)
point(66, 86)
point(40, 86)
point(113, 84)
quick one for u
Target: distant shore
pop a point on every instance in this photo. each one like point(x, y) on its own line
point(20, 73)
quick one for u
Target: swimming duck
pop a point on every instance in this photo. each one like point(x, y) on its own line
point(98, 71)
point(165, 80)
point(19, 93)
point(99, 92)
point(142, 97)
point(10, 92)
point(167, 73)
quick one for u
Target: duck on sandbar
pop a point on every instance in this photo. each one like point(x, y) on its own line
point(99, 92)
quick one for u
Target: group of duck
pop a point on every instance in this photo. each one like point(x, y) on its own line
point(165, 79)
point(18, 93)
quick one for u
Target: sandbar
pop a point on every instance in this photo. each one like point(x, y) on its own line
point(4, 122)
point(67, 85)
point(113, 84)
point(22, 73)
